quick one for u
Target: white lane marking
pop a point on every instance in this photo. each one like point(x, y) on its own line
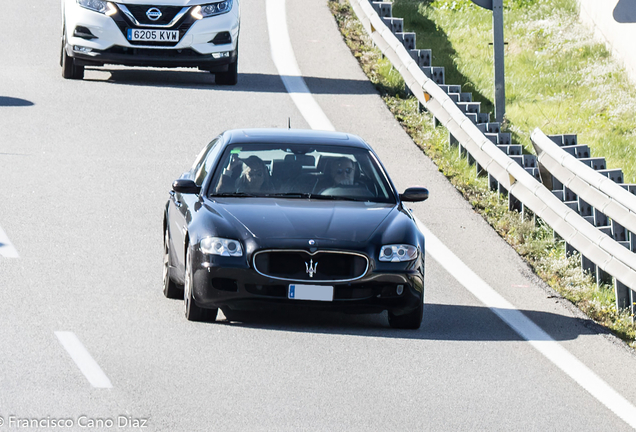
point(528, 330)
point(7, 249)
point(540, 340)
point(285, 61)
point(83, 359)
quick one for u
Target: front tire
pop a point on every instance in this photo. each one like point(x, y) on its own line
point(170, 289)
point(410, 321)
point(70, 70)
point(230, 77)
point(192, 311)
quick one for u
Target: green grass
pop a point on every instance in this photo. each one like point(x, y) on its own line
point(458, 32)
point(557, 77)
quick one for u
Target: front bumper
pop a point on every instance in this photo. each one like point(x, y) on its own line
point(230, 282)
point(96, 39)
point(152, 58)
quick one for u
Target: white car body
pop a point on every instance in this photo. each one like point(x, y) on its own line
point(94, 38)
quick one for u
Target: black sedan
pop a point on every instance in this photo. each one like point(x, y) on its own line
point(283, 218)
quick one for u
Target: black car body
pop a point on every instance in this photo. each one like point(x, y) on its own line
point(349, 246)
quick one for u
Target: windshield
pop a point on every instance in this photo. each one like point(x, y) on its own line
point(316, 172)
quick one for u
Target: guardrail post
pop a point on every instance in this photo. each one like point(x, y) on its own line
point(588, 266)
point(624, 296)
point(383, 9)
point(493, 184)
point(514, 204)
point(600, 220)
point(396, 25)
point(602, 277)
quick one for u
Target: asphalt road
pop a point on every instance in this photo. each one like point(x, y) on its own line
point(86, 167)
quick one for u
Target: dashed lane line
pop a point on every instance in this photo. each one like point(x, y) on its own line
point(84, 361)
point(7, 249)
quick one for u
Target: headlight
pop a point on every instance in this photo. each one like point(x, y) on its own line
point(101, 6)
point(398, 252)
point(221, 246)
point(211, 9)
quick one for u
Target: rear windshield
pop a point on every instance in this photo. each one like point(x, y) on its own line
point(320, 172)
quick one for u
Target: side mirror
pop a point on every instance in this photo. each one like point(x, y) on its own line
point(185, 186)
point(414, 194)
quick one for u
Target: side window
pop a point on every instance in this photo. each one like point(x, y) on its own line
point(204, 162)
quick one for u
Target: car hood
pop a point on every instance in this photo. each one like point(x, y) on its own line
point(296, 219)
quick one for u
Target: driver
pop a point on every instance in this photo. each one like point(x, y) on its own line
point(245, 176)
point(255, 176)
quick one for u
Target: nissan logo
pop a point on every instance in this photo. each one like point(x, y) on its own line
point(153, 14)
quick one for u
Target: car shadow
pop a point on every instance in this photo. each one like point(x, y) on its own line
point(440, 322)
point(6, 101)
point(247, 82)
point(625, 11)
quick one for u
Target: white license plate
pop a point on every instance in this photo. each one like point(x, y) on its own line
point(153, 35)
point(310, 292)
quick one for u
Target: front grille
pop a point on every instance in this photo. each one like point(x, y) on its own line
point(167, 13)
point(124, 23)
point(294, 265)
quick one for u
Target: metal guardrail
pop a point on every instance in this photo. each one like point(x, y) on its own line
point(608, 254)
point(595, 193)
point(599, 191)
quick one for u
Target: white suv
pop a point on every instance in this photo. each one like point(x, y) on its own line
point(158, 33)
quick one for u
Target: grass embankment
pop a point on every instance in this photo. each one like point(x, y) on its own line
point(557, 79)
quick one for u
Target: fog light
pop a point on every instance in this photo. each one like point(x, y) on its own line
point(400, 289)
point(82, 49)
point(221, 55)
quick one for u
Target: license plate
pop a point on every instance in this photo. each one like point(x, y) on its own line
point(310, 292)
point(153, 35)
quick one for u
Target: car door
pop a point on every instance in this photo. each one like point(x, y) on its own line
point(182, 208)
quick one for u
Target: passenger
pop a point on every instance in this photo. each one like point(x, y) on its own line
point(340, 172)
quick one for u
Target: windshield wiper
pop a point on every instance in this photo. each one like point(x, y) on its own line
point(291, 195)
point(337, 198)
point(312, 196)
point(234, 194)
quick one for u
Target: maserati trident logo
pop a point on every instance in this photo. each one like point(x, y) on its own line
point(153, 14)
point(311, 268)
